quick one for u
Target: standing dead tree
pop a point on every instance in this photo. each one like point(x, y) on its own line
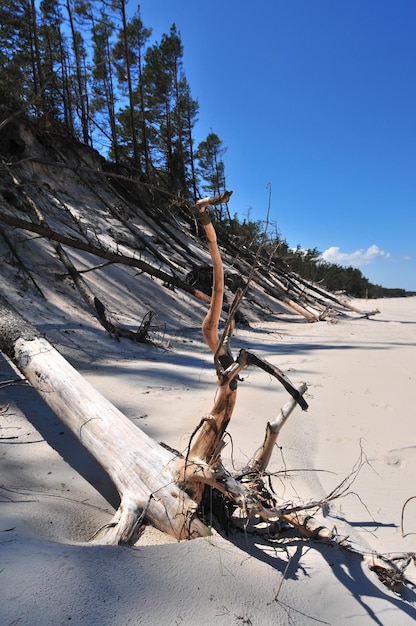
point(157, 485)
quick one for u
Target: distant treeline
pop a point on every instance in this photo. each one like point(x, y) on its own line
point(87, 69)
point(307, 263)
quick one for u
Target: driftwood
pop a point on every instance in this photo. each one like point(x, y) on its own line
point(149, 478)
point(203, 462)
point(160, 486)
point(141, 470)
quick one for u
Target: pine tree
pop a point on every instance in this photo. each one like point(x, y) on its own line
point(55, 62)
point(80, 79)
point(39, 79)
point(172, 111)
point(104, 101)
point(190, 109)
point(16, 69)
point(139, 38)
point(211, 169)
point(128, 53)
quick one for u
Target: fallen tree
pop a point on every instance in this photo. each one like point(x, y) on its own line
point(127, 226)
point(148, 477)
point(160, 486)
point(115, 257)
point(141, 469)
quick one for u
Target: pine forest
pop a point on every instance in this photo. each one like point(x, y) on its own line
point(90, 71)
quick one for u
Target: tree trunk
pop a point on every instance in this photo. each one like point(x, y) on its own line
point(136, 156)
point(75, 242)
point(142, 471)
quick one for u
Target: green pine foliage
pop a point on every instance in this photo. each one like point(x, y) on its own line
point(84, 69)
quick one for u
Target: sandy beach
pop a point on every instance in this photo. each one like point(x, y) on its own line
point(361, 378)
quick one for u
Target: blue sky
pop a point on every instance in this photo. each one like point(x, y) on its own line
point(318, 99)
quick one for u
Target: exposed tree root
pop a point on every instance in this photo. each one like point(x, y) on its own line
point(246, 496)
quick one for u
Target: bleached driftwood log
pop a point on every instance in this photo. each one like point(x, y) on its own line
point(141, 470)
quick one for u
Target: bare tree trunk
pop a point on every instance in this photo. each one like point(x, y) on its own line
point(141, 470)
point(115, 257)
point(136, 155)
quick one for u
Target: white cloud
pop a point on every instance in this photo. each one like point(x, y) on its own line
point(358, 258)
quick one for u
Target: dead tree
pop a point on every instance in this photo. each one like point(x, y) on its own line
point(160, 486)
point(141, 470)
point(150, 479)
point(202, 465)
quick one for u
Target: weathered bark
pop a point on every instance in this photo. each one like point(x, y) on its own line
point(142, 471)
point(203, 463)
point(75, 242)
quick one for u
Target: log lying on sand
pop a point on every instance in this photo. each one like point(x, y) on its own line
point(141, 469)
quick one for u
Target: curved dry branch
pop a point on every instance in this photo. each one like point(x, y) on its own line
point(204, 454)
point(211, 321)
point(402, 515)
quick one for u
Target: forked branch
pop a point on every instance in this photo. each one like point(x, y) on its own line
point(203, 462)
point(246, 491)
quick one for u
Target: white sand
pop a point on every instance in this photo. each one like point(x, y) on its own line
point(361, 378)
